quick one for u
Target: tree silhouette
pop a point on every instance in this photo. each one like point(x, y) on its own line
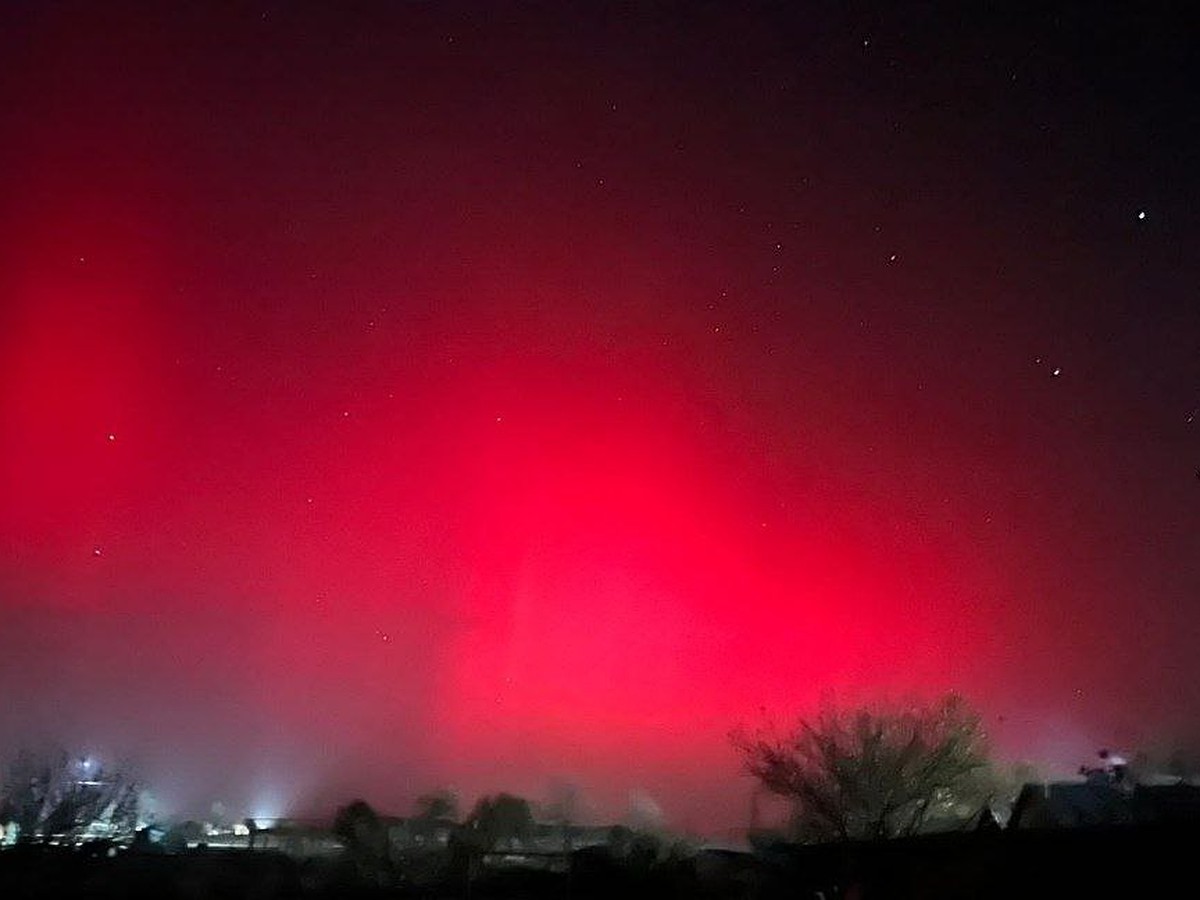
point(365, 837)
point(442, 804)
point(500, 820)
point(870, 773)
point(562, 809)
point(68, 796)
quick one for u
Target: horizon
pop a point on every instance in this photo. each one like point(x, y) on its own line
point(400, 395)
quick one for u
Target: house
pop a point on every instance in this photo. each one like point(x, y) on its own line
point(1070, 805)
point(1094, 804)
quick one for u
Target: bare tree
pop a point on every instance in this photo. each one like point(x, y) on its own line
point(439, 804)
point(562, 808)
point(60, 795)
point(879, 773)
point(365, 837)
point(501, 820)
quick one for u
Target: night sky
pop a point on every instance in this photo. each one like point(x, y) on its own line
point(405, 394)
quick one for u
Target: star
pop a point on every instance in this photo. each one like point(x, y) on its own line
point(1057, 371)
point(1142, 214)
point(111, 437)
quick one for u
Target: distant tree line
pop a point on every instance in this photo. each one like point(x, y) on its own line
point(867, 773)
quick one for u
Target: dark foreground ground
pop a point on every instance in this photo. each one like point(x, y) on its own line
point(1115, 862)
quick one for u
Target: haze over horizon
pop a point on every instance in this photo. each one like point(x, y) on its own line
point(399, 395)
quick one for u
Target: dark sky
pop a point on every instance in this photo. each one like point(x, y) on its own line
point(402, 394)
